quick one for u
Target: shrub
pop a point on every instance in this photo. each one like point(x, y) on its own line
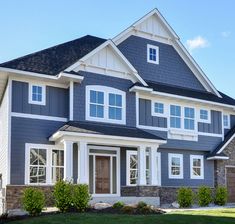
point(81, 197)
point(141, 205)
point(143, 208)
point(118, 205)
point(33, 201)
point(204, 196)
point(128, 209)
point(221, 196)
point(185, 197)
point(63, 195)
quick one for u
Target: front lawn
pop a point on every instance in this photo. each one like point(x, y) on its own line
point(193, 217)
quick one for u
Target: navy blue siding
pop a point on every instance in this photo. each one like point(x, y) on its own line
point(232, 120)
point(26, 130)
point(186, 181)
point(146, 118)
point(57, 101)
point(97, 79)
point(215, 126)
point(171, 68)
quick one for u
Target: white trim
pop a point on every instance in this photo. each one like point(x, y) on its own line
point(165, 109)
point(129, 153)
point(40, 117)
point(71, 100)
point(180, 156)
point(192, 157)
point(228, 115)
point(208, 120)
point(210, 134)
point(218, 158)
point(48, 149)
point(225, 145)
point(30, 96)
point(149, 46)
point(106, 90)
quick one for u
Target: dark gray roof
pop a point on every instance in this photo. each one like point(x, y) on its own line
point(181, 91)
point(228, 137)
point(107, 129)
point(53, 60)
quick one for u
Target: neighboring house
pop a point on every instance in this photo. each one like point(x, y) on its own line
point(134, 116)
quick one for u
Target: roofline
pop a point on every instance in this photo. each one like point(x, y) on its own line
point(119, 53)
point(151, 91)
point(218, 158)
point(225, 145)
point(59, 134)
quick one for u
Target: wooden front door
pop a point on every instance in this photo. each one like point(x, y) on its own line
point(231, 183)
point(102, 175)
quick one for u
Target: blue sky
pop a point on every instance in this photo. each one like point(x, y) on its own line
point(206, 27)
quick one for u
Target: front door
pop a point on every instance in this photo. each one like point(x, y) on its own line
point(102, 174)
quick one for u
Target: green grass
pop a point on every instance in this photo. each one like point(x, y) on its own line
point(223, 216)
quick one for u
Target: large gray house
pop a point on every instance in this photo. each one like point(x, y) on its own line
point(132, 117)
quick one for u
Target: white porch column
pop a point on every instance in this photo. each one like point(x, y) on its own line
point(83, 169)
point(153, 166)
point(68, 161)
point(142, 165)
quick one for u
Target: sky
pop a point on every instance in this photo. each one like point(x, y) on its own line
point(205, 27)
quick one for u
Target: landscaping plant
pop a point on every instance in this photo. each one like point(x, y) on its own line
point(221, 196)
point(81, 197)
point(33, 201)
point(185, 197)
point(118, 205)
point(204, 196)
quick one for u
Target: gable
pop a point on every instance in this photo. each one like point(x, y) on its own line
point(154, 27)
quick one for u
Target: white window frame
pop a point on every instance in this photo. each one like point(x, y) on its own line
point(129, 153)
point(157, 54)
point(192, 157)
point(48, 149)
point(106, 90)
point(164, 114)
point(30, 97)
point(194, 119)
point(228, 126)
point(181, 117)
point(208, 120)
point(170, 175)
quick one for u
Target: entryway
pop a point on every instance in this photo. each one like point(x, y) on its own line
point(230, 176)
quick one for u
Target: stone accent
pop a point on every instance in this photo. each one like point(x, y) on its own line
point(14, 195)
point(140, 191)
point(220, 165)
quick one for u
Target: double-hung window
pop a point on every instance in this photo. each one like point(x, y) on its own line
point(175, 166)
point(196, 167)
point(105, 104)
point(153, 54)
point(226, 121)
point(189, 118)
point(37, 94)
point(175, 116)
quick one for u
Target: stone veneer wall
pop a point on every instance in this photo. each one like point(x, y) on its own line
point(14, 195)
point(140, 191)
point(220, 165)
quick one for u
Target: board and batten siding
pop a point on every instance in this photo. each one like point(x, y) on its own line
point(57, 101)
point(171, 68)
point(103, 80)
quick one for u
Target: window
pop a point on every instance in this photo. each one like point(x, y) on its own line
point(175, 166)
point(115, 106)
point(175, 116)
point(38, 163)
point(158, 109)
point(132, 167)
point(226, 121)
point(105, 104)
point(197, 167)
point(204, 116)
point(189, 118)
point(37, 94)
point(57, 165)
point(153, 54)
point(96, 104)
point(44, 164)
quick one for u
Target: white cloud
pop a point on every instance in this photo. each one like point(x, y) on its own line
point(197, 42)
point(225, 34)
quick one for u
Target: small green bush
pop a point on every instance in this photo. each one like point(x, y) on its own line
point(118, 205)
point(141, 205)
point(33, 201)
point(185, 197)
point(63, 195)
point(204, 196)
point(128, 210)
point(221, 196)
point(81, 197)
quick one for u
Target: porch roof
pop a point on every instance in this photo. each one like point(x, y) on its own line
point(95, 128)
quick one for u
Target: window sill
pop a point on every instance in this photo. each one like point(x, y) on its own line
point(182, 135)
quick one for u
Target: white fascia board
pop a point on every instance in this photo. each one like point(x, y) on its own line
point(225, 145)
point(140, 88)
point(59, 134)
point(218, 158)
point(72, 77)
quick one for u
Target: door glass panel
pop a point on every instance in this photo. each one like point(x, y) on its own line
point(91, 174)
point(114, 175)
